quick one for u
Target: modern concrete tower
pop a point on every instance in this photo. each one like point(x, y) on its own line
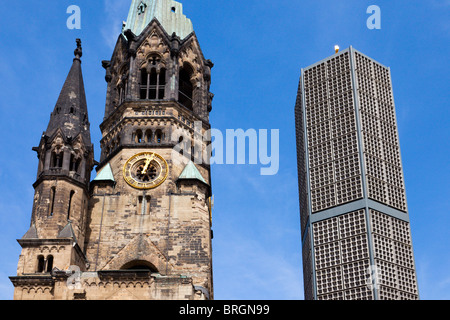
point(141, 229)
point(354, 218)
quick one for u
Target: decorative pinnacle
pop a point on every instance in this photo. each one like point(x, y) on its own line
point(78, 51)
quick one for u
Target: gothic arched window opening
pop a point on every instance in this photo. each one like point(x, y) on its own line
point(186, 89)
point(122, 85)
point(57, 159)
point(153, 80)
point(74, 163)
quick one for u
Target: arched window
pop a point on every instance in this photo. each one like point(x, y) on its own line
point(49, 263)
point(52, 200)
point(40, 264)
point(122, 85)
point(159, 136)
point(153, 80)
point(144, 81)
point(72, 193)
point(162, 84)
point(153, 84)
point(74, 163)
point(140, 265)
point(57, 159)
point(148, 136)
point(138, 137)
point(186, 89)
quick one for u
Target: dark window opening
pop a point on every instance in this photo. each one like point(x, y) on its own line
point(148, 136)
point(186, 88)
point(162, 84)
point(143, 91)
point(57, 160)
point(72, 193)
point(140, 200)
point(147, 204)
point(52, 200)
point(140, 265)
point(153, 84)
point(158, 136)
point(74, 163)
point(138, 137)
point(122, 86)
point(173, 9)
point(49, 263)
point(41, 264)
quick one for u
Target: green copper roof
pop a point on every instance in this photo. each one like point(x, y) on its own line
point(168, 12)
point(191, 172)
point(105, 174)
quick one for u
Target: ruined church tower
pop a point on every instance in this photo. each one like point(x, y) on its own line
point(141, 229)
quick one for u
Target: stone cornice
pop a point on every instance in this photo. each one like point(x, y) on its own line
point(33, 280)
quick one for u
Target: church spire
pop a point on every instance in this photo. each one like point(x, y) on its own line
point(70, 113)
point(66, 148)
point(169, 13)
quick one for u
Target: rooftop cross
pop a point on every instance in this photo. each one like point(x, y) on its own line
point(78, 51)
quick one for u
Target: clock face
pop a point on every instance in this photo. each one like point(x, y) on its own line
point(145, 170)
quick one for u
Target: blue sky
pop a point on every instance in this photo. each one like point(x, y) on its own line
point(258, 48)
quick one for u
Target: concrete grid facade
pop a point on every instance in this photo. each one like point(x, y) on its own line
point(355, 226)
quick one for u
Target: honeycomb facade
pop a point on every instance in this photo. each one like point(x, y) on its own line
point(355, 225)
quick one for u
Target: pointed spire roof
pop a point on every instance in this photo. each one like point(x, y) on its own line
point(70, 113)
point(31, 233)
point(68, 232)
point(191, 173)
point(169, 13)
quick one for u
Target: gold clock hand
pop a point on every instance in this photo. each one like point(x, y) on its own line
point(147, 164)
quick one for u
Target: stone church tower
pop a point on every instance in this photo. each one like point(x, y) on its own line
point(142, 228)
